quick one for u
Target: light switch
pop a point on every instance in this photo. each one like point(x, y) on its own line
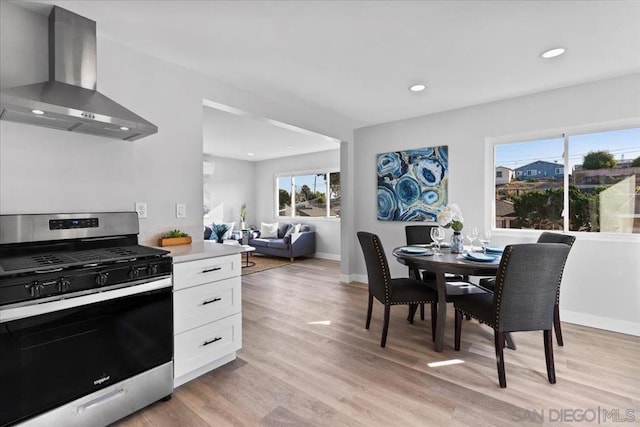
point(181, 210)
point(141, 208)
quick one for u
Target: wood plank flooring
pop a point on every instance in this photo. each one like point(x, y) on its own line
point(308, 361)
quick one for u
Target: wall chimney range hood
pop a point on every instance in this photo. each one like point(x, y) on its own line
point(69, 100)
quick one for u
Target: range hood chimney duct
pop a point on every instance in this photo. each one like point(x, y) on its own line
point(70, 100)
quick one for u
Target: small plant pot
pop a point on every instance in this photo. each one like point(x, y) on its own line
point(172, 241)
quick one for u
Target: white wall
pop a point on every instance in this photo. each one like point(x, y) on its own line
point(43, 170)
point(327, 229)
point(601, 286)
point(230, 185)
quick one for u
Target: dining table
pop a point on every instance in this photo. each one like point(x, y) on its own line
point(446, 262)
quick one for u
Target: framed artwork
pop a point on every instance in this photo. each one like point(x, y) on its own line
point(412, 184)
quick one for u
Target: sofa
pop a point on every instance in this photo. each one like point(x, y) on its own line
point(290, 245)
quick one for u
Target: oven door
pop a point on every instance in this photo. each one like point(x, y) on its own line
point(55, 352)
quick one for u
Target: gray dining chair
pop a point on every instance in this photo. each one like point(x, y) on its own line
point(396, 291)
point(523, 299)
point(545, 237)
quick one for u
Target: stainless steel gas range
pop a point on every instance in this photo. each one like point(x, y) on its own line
point(86, 319)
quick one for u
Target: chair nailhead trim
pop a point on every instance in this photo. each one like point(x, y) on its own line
point(500, 280)
point(477, 318)
point(376, 243)
point(560, 281)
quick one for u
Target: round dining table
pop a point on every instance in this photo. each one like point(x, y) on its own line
point(446, 262)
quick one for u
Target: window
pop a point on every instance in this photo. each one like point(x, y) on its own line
point(498, 174)
point(285, 185)
point(601, 194)
point(309, 195)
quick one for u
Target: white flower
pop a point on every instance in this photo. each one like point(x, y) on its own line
point(451, 216)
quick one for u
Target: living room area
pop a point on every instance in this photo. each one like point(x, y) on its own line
point(266, 180)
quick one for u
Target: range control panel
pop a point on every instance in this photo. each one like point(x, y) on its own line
point(66, 224)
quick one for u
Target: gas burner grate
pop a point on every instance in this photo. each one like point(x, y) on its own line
point(51, 260)
point(85, 256)
point(123, 251)
point(44, 261)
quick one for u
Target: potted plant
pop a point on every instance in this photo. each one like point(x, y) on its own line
point(243, 216)
point(219, 230)
point(175, 237)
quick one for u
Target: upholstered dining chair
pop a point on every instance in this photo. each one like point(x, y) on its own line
point(545, 237)
point(523, 298)
point(397, 291)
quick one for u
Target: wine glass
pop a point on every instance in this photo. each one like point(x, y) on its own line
point(472, 235)
point(437, 235)
point(485, 239)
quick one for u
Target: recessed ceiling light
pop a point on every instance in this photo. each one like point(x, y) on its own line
point(417, 88)
point(288, 146)
point(124, 128)
point(250, 154)
point(37, 111)
point(552, 53)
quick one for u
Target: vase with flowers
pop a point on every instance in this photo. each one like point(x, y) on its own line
point(451, 217)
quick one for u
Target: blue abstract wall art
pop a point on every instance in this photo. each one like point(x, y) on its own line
point(412, 185)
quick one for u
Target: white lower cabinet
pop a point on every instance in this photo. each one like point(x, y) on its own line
point(207, 315)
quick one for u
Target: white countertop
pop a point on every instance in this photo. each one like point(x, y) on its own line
point(201, 250)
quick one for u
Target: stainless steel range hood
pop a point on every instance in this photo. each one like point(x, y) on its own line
point(69, 100)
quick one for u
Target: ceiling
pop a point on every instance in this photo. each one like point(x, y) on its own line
point(356, 59)
point(231, 135)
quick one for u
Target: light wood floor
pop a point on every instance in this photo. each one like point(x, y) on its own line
point(294, 372)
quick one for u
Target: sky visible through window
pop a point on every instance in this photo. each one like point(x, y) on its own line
point(620, 142)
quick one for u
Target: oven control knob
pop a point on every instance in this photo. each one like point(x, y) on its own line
point(63, 284)
point(101, 279)
point(36, 289)
point(133, 273)
point(152, 269)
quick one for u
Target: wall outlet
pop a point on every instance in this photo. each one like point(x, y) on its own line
point(141, 208)
point(181, 210)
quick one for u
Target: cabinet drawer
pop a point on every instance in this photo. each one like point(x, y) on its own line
point(192, 273)
point(198, 347)
point(206, 303)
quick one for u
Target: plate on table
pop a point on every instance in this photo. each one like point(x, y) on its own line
point(494, 250)
point(415, 250)
point(469, 256)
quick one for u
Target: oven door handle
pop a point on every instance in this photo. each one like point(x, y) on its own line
point(9, 313)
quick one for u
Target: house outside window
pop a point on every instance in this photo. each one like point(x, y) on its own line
point(601, 194)
point(315, 194)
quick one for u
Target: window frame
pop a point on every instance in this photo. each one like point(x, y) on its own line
point(323, 171)
point(565, 133)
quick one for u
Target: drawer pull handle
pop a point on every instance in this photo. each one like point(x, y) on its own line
point(212, 341)
point(211, 300)
point(212, 269)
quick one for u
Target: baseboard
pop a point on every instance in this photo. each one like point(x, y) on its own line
point(324, 255)
point(348, 278)
point(599, 322)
